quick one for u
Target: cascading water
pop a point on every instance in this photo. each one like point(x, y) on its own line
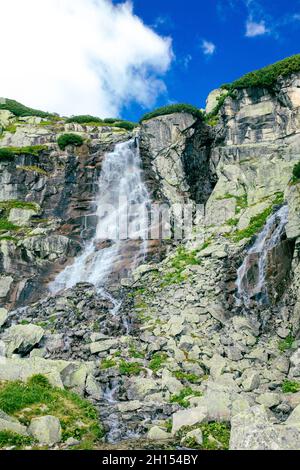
point(122, 217)
point(268, 238)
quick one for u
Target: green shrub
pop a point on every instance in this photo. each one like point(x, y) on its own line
point(289, 386)
point(296, 172)
point(20, 110)
point(111, 120)
point(127, 125)
point(26, 401)
point(267, 76)
point(173, 108)
point(83, 119)
point(6, 154)
point(69, 139)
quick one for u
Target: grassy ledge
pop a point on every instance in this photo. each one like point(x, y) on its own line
point(25, 401)
point(267, 76)
point(20, 110)
point(11, 152)
point(174, 108)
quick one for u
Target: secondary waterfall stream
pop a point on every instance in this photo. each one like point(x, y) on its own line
point(266, 240)
point(122, 218)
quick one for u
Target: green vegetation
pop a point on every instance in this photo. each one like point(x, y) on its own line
point(69, 139)
point(10, 152)
point(5, 225)
point(241, 201)
point(12, 128)
point(130, 368)
point(286, 343)
point(174, 108)
point(95, 121)
point(267, 76)
point(127, 125)
point(8, 439)
point(211, 118)
point(107, 364)
point(192, 378)
point(232, 222)
point(181, 260)
point(8, 205)
point(83, 119)
point(34, 169)
point(216, 436)
point(182, 397)
point(36, 397)
point(134, 353)
point(157, 361)
point(258, 221)
point(296, 173)
point(289, 386)
point(20, 110)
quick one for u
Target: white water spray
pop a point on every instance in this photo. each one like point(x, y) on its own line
point(268, 238)
point(122, 217)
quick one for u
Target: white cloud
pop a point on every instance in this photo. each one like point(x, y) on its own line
point(208, 47)
point(254, 28)
point(80, 56)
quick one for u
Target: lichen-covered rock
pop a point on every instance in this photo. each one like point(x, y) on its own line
point(46, 430)
point(22, 338)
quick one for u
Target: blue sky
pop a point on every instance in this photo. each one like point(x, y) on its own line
point(113, 58)
point(273, 34)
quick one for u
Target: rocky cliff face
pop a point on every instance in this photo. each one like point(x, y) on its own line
point(62, 187)
point(183, 345)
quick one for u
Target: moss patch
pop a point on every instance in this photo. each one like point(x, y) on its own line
point(290, 386)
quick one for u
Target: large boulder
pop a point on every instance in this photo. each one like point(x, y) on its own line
point(252, 430)
point(22, 338)
point(188, 417)
point(21, 217)
point(46, 429)
point(10, 425)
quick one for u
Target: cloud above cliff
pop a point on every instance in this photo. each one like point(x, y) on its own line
point(80, 56)
point(255, 28)
point(208, 47)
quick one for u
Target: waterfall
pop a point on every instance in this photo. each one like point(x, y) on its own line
point(122, 218)
point(268, 238)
